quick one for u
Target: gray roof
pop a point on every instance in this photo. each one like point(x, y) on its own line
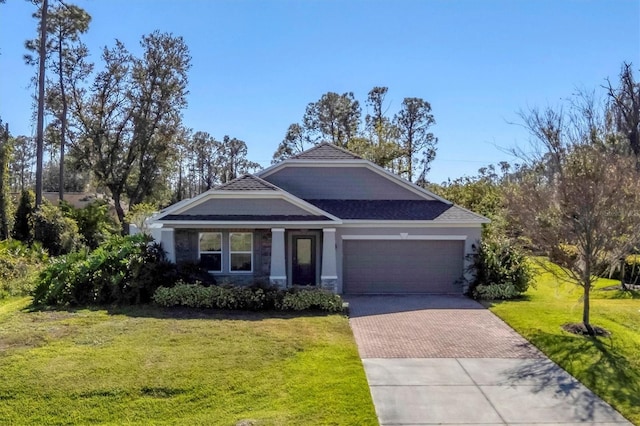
point(245, 217)
point(383, 209)
point(434, 210)
point(247, 183)
point(459, 214)
point(326, 151)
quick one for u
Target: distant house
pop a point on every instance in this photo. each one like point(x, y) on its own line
point(76, 199)
point(327, 218)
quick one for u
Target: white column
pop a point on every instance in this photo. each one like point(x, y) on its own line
point(167, 241)
point(278, 273)
point(329, 273)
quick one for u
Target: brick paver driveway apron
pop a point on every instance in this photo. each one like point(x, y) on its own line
point(447, 360)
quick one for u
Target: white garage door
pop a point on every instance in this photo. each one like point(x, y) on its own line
point(401, 266)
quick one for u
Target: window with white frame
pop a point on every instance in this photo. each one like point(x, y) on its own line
point(240, 251)
point(210, 246)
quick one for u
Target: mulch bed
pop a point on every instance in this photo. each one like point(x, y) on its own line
point(579, 328)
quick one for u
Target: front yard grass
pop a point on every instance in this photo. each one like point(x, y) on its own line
point(146, 365)
point(608, 366)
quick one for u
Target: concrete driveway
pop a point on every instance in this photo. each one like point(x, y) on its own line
point(448, 360)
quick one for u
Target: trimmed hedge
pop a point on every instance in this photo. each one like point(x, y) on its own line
point(247, 298)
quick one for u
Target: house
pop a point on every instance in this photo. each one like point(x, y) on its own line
point(327, 218)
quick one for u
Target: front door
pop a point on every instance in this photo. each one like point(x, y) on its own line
point(304, 260)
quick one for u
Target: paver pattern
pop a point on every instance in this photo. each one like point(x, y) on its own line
point(432, 327)
point(433, 360)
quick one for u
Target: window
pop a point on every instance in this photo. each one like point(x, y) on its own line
point(210, 246)
point(240, 251)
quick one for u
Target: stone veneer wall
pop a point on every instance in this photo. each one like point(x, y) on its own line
point(186, 243)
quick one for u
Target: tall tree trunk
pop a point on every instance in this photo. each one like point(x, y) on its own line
point(63, 120)
point(410, 158)
point(40, 124)
point(119, 211)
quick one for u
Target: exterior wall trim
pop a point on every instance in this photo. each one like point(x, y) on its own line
point(406, 236)
point(252, 225)
point(410, 223)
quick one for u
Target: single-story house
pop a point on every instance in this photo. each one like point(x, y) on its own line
point(328, 218)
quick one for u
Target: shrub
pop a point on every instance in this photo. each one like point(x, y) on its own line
point(308, 299)
point(501, 271)
point(123, 270)
point(191, 272)
point(18, 263)
point(253, 298)
point(57, 233)
point(95, 224)
point(22, 222)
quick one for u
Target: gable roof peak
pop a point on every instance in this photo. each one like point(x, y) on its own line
point(326, 151)
point(247, 182)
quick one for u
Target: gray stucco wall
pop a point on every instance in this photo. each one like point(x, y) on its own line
point(339, 183)
point(249, 206)
point(186, 241)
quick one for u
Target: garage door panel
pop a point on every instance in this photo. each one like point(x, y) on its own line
point(383, 266)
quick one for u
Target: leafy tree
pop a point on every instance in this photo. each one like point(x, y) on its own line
point(139, 214)
point(295, 141)
point(394, 144)
point(576, 200)
point(95, 223)
point(483, 194)
point(233, 161)
point(206, 152)
point(21, 167)
point(23, 219)
point(131, 114)
point(380, 141)
point(5, 195)
point(57, 233)
point(65, 58)
point(42, 54)
point(413, 123)
point(333, 118)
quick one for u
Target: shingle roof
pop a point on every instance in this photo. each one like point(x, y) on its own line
point(247, 183)
point(383, 209)
point(458, 214)
point(248, 218)
point(326, 151)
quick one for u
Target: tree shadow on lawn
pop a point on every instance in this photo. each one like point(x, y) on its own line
point(617, 294)
point(606, 372)
point(181, 313)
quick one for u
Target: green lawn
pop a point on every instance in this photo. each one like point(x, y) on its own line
point(153, 366)
point(609, 366)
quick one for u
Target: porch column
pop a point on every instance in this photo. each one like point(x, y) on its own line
point(278, 273)
point(167, 241)
point(329, 273)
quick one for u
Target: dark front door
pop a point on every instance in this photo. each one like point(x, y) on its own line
point(304, 260)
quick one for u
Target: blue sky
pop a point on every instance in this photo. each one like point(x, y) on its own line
point(257, 64)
